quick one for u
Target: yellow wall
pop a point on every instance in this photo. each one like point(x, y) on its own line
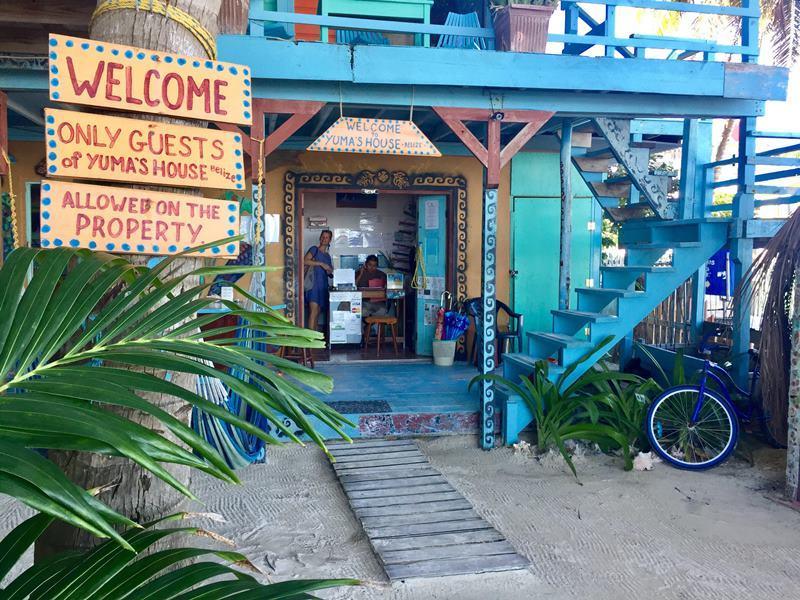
point(470, 168)
point(26, 155)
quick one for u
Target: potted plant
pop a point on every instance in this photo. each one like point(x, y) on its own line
point(521, 25)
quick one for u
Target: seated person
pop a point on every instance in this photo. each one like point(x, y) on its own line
point(369, 276)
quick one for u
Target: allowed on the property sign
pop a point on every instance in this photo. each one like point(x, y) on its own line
point(113, 219)
point(374, 136)
point(89, 146)
point(119, 77)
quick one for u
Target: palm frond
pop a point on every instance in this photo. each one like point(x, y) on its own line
point(121, 572)
point(774, 273)
point(90, 334)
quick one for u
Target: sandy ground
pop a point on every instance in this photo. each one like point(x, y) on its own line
point(658, 535)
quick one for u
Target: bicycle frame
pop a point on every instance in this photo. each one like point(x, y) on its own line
point(717, 373)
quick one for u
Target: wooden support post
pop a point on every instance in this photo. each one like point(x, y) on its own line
point(565, 248)
point(494, 158)
point(698, 305)
point(301, 112)
point(489, 303)
point(742, 249)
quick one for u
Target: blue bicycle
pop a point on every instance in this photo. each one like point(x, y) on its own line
point(696, 427)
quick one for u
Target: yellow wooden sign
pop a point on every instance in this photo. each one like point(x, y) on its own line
point(374, 136)
point(113, 219)
point(88, 146)
point(126, 78)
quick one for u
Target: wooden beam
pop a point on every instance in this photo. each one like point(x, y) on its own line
point(3, 131)
point(76, 13)
point(472, 143)
point(285, 131)
point(522, 138)
point(492, 156)
point(493, 151)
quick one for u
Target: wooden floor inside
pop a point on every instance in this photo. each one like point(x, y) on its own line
point(417, 523)
point(402, 398)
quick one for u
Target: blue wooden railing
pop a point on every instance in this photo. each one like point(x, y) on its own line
point(596, 33)
point(763, 165)
point(604, 33)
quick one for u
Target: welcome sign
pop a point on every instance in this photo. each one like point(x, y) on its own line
point(120, 77)
point(374, 136)
point(134, 221)
point(91, 146)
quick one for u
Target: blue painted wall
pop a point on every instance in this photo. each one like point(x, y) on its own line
point(536, 231)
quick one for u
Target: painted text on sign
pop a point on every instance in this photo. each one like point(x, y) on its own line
point(374, 136)
point(135, 221)
point(91, 146)
point(106, 75)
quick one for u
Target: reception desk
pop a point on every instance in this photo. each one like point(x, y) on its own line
point(344, 319)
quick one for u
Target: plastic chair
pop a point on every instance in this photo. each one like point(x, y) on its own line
point(512, 336)
point(353, 37)
point(461, 41)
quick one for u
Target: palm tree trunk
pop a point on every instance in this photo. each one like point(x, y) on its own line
point(137, 494)
point(793, 442)
point(727, 130)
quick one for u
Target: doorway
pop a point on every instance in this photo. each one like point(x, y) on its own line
point(411, 235)
point(536, 235)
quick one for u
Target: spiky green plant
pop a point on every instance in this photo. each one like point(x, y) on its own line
point(126, 572)
point(88, 334)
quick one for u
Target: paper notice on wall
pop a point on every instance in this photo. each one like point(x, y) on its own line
point(434, 286)
point(431, 214)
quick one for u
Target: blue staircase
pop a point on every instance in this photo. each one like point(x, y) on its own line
point(660, 256)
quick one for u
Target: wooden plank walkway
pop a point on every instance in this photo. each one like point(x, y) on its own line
point(418, 524)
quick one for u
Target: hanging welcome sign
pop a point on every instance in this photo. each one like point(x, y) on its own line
point(126, 78)
point(374, 136)
point(134, 221)
point(91, 146)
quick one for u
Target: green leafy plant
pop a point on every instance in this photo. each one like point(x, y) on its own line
point(620, 401)
point(69, 338)
point(559, 412)
point(112, 571)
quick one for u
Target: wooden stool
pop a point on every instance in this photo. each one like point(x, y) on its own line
point(390, 322)
point(302, 356)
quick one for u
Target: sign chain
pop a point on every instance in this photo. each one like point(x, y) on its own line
point(14, 224)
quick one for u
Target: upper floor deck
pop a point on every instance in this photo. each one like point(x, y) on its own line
point(585, 50)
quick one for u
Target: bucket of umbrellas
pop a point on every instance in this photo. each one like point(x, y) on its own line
point(450, 326)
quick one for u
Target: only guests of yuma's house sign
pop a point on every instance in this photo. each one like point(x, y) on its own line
point(374, 136)
point(134, 221)
point(125, 78)
point(88, 146)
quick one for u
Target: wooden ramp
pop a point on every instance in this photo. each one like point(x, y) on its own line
point(418, 524)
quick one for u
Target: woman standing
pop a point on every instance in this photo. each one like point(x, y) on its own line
point(318, 259)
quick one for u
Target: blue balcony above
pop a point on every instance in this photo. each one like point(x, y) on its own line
point(601, 27)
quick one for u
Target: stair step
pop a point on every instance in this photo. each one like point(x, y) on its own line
point(637, 269)
point(616, 293)
point(592, 317)
point(564, 341)
point(527, 361)
point(632, 212)
point(616, 189)
point(596, 164)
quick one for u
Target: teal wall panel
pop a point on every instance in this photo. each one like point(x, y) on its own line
point(536, 174)
point(535, 230)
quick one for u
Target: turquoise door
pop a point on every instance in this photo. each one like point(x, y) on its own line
point(432, 239)
point(535, 255)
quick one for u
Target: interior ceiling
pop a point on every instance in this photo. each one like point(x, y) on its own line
point(26, 24)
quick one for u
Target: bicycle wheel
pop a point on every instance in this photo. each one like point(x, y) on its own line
point(703, 445)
